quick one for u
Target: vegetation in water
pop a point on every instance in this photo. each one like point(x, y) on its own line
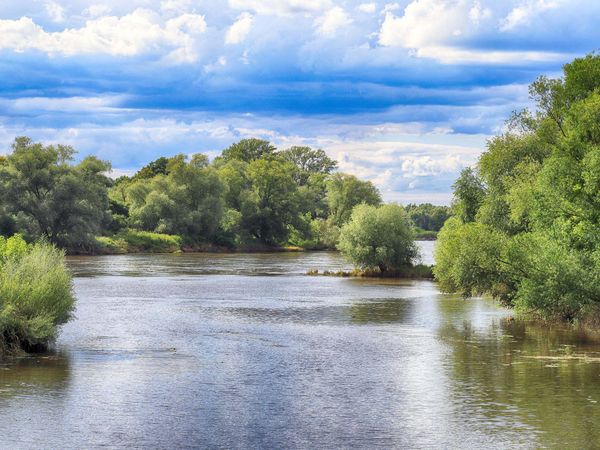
point(418, 272)
point(526, 225)
point(35, 294)
point(379, 237)
point(251, 197)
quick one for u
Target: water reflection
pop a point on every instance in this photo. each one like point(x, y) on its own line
point(34, 375)
point(214, 351)
point(380, 312)
point(523, 376)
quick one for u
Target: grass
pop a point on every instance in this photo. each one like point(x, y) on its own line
point(133, 241)
point(36, 295)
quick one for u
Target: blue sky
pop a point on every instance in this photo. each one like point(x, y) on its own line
point(402, 93)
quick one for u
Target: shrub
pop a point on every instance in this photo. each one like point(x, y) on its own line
point(35, 294)
point(380, 237)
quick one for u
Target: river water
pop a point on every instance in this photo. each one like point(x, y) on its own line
point(245, 351)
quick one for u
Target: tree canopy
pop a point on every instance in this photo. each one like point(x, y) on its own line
point(379, 236)
point(527, 217)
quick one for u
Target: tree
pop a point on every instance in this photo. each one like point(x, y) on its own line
point(248, 150)
point(48, 197)
point(527, 225)
point(187, 201)
point(468, 195)
point(380, 237)
point(308, 162)
point(427, 216)
point(344, 192)
point(269, 205)
point(153, 168)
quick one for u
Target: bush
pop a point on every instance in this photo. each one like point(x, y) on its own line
point(380, 237)
point(35, 294)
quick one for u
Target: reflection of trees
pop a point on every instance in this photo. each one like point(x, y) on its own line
point(380, 311)
point(32, 373)
point(493, 377)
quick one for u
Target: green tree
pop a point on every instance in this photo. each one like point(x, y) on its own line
point(309, 162)
point(531, 237)
point(269, 205)
point(248, 150)
point(468, 195)
point(344, 192)
point(380, 237)
point(187, 201)
point(427, 216)
point(49, 197)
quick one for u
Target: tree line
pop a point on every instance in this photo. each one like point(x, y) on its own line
point(526, 224)
point(250, 195)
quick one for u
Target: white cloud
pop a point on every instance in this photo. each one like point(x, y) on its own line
point(138, 32)
point(55, 11)
point(240, 29)
point(368, 8)
point(334, 19)
point(454, 55)
point(215, 66)
point(389, 7)
point(280, 7)
point(522, 14)
point(96, 10)
point(429, 22)
point(436, 29)
point(175, 5)
point(424, 166)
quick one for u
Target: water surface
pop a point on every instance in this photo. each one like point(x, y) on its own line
point(245, 351)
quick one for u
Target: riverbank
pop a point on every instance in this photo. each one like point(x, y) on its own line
point(132, 242)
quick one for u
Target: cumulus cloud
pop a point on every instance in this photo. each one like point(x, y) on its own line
point(175, 5)
point(240, 29)
point(368, 8)
point(525, 12)
point(138, 32)
point(431, 22)
point(280, 7)
point(334, 19)
point(444, 31)
point(96, 10)
point(55, 11)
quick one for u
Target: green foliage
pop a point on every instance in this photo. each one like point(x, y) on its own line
point(380, 237)
point(47, 197)
point(186, 202)
point(527, 225)
point(308, 162)
point(469, 193)
point(132, 241)
point(248, 150)
point(156, 167)
point(271, 201)
point(344, 192)
point(428, 217)
point(35, 294)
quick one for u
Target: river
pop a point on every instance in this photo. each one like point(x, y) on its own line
point(245, 351)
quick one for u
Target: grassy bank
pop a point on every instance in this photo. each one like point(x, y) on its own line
point(133, 241)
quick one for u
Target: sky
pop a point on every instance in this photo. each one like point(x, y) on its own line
point(404, 94)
